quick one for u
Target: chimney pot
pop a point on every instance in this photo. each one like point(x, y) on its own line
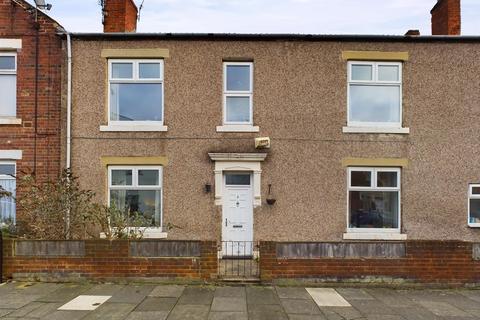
point(120, 16)
point(446, 18)
point(413, 32)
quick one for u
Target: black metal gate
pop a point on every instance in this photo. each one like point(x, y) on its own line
point(238, 260)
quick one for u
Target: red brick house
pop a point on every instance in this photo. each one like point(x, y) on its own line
point(30, 96)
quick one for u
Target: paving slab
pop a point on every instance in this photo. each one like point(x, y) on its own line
point(36, 288)
point(157, 304)
point(341, 313)
point(16, 300)
point(266, 312)
point(85, 303)
point(229, 304)
point(390, 297)
point(415, 313)
point(292, 293)
point(197, 295)
point(132, 294)
point(354, 294)
point(168, 291)
point(65, 293)
point(190, 312)
point(44, 310)
point(471, 294)
point(443, 309)
point(373, 307)
point(228, 316)
point(64, 315)
point(300, 306)
point(261, 295)
point(232, 292)
point(327, 297)
point(105, 289)
point(4, 312)
point(111, 311)
point(148, 315)
point(23, 311)
point(306, 317)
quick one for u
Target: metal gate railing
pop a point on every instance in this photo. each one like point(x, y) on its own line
point(238, 260)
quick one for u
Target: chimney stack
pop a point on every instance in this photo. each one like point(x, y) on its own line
point(446, 18)
point(119, 16)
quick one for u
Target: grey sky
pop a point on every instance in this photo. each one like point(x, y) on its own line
point(270, 16)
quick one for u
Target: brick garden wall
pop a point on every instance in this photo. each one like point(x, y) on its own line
point(452, 263)
point(107, 260)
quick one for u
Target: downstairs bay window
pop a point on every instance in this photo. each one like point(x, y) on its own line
point(137, 191)
point(374, 200)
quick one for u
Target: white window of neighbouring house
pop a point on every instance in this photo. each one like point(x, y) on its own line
point(374, 94)
point(137, 190)
point(136, 92)
point(374, 200)
point(238, 93)
point(8, 84)
point(7, 192)
point(474, 205)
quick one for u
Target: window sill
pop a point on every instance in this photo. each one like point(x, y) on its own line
point(139, 127)
point(10, 120)
point(474, 225)
point(238, 128)
point(374, 236)
point(376, 130)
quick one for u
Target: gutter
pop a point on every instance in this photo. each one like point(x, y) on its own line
point(273, 37)
point(69, 101)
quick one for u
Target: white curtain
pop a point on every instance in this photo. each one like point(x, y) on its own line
point(7, 204)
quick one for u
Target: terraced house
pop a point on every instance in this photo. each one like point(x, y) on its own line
point(31, 59)
point(281, 137)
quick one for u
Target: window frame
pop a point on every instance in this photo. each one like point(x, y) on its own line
point(10, 177)
point(375, 82)
point(135, 186)
point(11, 72)
point(231, 93)
point(373, 187)
point(470, 197)
point(135, 79)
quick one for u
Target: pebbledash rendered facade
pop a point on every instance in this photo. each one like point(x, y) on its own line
point(281, 137)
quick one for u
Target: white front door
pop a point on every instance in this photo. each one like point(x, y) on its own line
point(237, 223)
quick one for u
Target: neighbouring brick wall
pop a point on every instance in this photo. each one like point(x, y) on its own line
point(104, 259)
point(427, 262)
point(41, 145)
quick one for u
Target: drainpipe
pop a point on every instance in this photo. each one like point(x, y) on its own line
point(69, 101)
point(69, 123)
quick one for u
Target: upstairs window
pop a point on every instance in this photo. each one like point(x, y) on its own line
point(474, 205)
point(374, 94)
point(8, 84)
point(374, 199)
point(238, 93)
point(136, 92)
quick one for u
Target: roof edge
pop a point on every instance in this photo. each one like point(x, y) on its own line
point(274, 37)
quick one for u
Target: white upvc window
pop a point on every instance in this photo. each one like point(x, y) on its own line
point(7, 183)
point(374, 94)
point(373, 200)
point(474, 205)
point(8, 85)
point(137, 189)
point(238, 93)
point(135, 98)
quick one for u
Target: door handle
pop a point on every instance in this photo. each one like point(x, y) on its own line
point(225, 222)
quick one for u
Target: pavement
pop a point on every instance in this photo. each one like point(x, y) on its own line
point(173, 302)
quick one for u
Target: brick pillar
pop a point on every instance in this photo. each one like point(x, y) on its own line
point(208, 260)
point(446, 18)
point(268, 259)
